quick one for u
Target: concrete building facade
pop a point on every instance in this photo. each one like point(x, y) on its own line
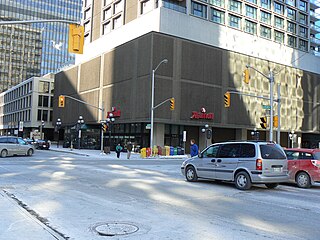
point(205, 59)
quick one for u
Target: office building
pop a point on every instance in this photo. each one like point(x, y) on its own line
point(208, 45)
point(34, 49)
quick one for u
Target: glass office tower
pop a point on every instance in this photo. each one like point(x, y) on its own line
point(28, 50)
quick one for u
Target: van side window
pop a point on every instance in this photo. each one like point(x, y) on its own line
point(229, 150)
point(247, 150)
point(211, 152)
point(12, 140)
point(3, 140)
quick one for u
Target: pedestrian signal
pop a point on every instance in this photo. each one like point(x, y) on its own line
point(227, 99)
point(61, 101)
point(263, 123)
point(76, 39)
point(246, 76)
point(275, 121)
point(171, 104)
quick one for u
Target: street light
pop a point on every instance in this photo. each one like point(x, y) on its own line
point(58, 125)
point(109, 121)
point(41, 128)
point(292, 137)
point(79, 124)
point(152, 100)
point(255, 134)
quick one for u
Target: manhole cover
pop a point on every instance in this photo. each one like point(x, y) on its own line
point(115, 228)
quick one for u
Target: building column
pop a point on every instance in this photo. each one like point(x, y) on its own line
point(241, 134)
point(158, 134)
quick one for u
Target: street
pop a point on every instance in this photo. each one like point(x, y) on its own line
point(74, 197)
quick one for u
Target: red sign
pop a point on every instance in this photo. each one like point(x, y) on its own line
point(115, 112)
point(202, 115)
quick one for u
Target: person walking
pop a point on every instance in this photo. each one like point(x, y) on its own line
point(129, 149)
point(118, 150)
point(194, 150)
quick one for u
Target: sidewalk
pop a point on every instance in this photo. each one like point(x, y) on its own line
point(17, 223)
point(112, 155)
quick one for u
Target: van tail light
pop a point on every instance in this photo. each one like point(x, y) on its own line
point(316, 163)
point(259, 164)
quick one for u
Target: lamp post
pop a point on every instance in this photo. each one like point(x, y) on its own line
point(255, 134)
point(152, 100)
point(41, 128)
point(79, 125)
point(110, 119)
point(292, 137)
point(58, 125)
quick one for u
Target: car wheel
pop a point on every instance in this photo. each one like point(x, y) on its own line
point(243, 181)
point(4, 153)
point(191, 174)
point(30, 152)
point(303, 180)
point(272, 185)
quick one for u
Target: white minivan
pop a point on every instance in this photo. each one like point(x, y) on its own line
point(244, 163)
point(10, 145)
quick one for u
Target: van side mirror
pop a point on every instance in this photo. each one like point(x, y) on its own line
point(200, 155)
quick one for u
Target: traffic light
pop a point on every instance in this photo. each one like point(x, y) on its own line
point(227, 99)
point(172, 104)
point(246, 76)
point(104, 127)
point(61, 101)
point(76, 39)
point(275, 121)
point(263, 123)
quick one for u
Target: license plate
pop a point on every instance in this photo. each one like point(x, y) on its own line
point(277, 169)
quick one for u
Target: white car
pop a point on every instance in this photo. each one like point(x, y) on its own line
point(10, 146)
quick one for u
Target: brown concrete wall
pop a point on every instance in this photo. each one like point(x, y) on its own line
point(131, 10)
point(90, 74)
point(96, 19)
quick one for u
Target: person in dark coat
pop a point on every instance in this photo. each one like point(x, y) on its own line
point(129, 149)
point(118, 150)
point(194, 150)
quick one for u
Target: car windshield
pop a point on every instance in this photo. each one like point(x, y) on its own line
point(317, 155)
point(271, 151)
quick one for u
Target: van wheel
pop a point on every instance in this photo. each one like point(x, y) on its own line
point(272, 185)
point(30, 152)
point(303, 180)
point(191, 174)
point(243, 181)
point(4, 153)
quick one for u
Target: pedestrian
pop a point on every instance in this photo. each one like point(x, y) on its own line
point(194, 150)
point(129, 149)
point(118, 150)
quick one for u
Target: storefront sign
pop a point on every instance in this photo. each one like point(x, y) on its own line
point(202, 115)
point(115, 112)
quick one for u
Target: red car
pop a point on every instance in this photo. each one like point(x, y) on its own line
point(303, 166)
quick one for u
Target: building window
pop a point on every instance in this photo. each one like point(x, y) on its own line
point(87, 13)
point(175, 5)
point(218, 3)
point(43, 87)
point(292, 41)
point(278, 22)
point(218, 16)
point(199, 10)
point(291, 2)
point(265, 32)
point(303, 45)
point(303, 6)
point(87, 26)
point(146, 6)
point(252, 1)
point(303, 19)
point(250, 27)
point(87, 3)
point(265, 17)
point(117, 22)
point(235, 6)
point(87, 38)
point(291, 27)
point(279, 36)
point(278, 8)
point(291, 14)
point(118, 7)
point(234, 22)
point(106, 27)
point(251, 12)
point(107, 13)
point(266, 4)
point(107, 2)
point(303, 32)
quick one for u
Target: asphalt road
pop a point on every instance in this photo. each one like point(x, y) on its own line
point(73, 195)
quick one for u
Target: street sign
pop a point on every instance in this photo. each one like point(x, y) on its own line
point(266, 107)
point(184, 136)
point(148, 126)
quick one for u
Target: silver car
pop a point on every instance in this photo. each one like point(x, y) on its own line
point(244, 163)
point(10, 146)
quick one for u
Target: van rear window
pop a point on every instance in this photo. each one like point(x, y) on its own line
point(271, 152)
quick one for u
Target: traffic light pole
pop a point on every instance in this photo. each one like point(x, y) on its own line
point(101, 109)
point(37, 21)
